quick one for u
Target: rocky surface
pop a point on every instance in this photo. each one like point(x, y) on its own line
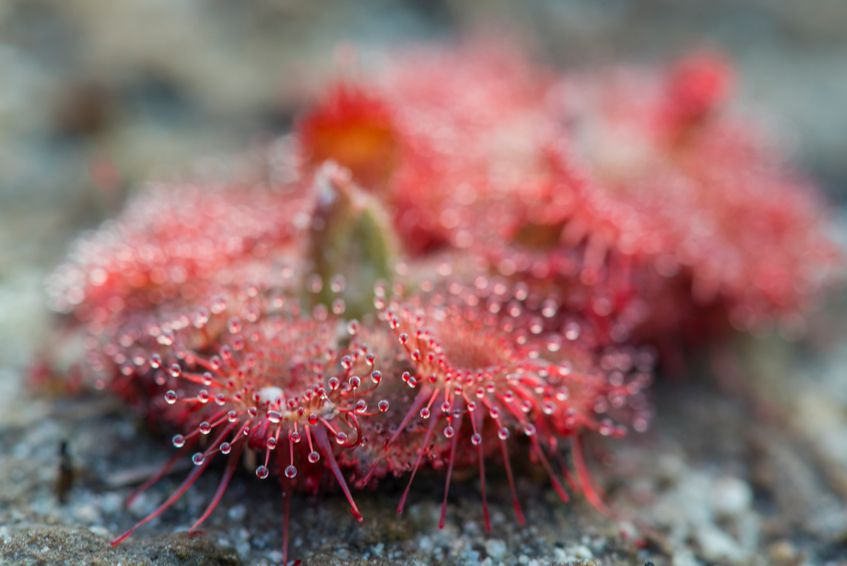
point(746, 462)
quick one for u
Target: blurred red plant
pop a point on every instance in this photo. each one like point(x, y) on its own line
point(609, 210)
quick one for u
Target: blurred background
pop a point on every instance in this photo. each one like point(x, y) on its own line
point(96, 96)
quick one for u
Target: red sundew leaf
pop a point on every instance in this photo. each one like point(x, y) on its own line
point(658, 193)
point(256, 371)
point(614, 206)
point(167, 245)
point(487, 363)
point(354, 128)
point(432, 132)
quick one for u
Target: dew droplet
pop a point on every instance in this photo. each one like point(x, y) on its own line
point(198, 459)
point(572, 330)
point(382, 405)
point(536, 326)
point(178, 440)
point(170, 397)
point(262, 472)
point(353, 327)
point(321, 313)
point(225, 448)
point(337, 283)
point(338, 306)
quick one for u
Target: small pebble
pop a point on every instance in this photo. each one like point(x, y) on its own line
point(495, 548)
point(581, 552)
point(730, 496)
point(783, 553)
point(87, 513)
point(100, 531)
point(237, 512)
